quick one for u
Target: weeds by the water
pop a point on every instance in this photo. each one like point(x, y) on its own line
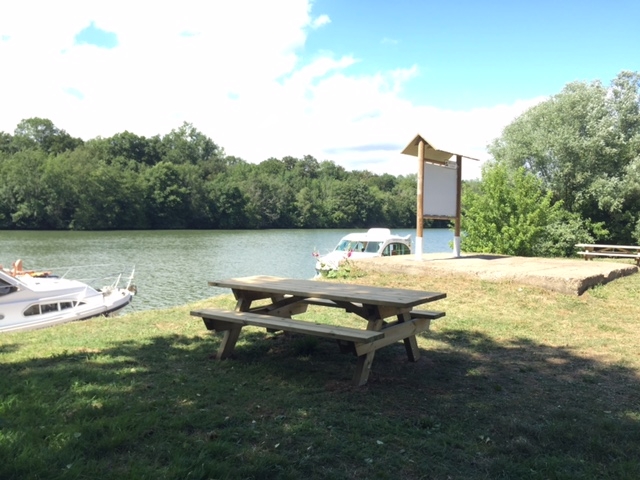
point(515, 382)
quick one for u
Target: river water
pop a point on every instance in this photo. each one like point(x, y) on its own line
point(172, 267)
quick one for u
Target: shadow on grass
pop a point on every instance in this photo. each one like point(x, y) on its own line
point(284, 408)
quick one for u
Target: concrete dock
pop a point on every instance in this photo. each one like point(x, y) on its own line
point(572, 276)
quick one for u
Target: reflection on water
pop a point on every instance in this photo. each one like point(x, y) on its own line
point(173, 266)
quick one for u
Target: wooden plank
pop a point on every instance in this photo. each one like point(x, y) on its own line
point(349, 307)
point(285, 307)
point(324, 302)
point(226, 317)
point(395, 333)
point(430, 314)
point(593, 245)
point(609, 254)
point(588, 254)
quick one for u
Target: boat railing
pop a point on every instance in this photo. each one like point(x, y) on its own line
point(98, 275)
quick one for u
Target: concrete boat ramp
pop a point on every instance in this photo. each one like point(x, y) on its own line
point(572, 276)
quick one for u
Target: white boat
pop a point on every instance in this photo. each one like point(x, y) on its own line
point(31, 300)
point(375, 242)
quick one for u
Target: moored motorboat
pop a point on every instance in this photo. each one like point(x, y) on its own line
point(375, 242)
point(36, 299)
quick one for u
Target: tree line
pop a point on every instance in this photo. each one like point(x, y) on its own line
point(182, 180)
point(566, 171)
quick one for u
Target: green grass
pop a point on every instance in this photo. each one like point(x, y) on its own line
point(515, 382)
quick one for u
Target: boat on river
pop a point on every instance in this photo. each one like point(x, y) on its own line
point(36, 299)
point(375, 242)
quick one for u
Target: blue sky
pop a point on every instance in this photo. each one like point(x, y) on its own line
point(348, 81)
point(475, 54)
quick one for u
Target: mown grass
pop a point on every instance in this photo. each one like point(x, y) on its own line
point(515, 382)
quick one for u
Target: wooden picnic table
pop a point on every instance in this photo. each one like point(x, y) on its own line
point(388, 314)
point(588, 251)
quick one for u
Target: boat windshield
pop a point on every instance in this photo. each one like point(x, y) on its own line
point(6, 288)
point(373, 247)
point(358, 246)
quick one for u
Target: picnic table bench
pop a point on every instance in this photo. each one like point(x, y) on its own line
point(615, 251)
point(389, 314)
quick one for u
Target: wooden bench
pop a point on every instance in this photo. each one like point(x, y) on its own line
point(362, 343)
point(232, 321)
point(613, 251)
point(424, 315)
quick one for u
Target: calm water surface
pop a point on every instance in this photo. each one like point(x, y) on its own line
point(173, 266)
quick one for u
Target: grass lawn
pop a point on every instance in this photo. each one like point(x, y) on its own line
point(515, 383)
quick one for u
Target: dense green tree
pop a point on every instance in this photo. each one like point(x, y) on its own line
point(270, 202)
point(307, 168)
point(384, 182)
point(26, 194)
point(182, 180)
point(6, 144)
point(351, 204)
point(329, 169)
point(187, 145)
point(201, 211)
point(147, 151)
point(228, 205)
point(65, 176)
point(43, 134)
point(102, 202)
point(401, 202)
point(310, 207)
point(508, 215)
point(167, 196)
point(584, 144)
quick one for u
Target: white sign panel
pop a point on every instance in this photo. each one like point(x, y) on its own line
point(440, 184)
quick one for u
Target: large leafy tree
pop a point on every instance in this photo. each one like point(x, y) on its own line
point(167, 196)
point(352, 203)
point(41, 133)
point(584, 145)
point(187, 145)
point(24, 194)
point(401, 202)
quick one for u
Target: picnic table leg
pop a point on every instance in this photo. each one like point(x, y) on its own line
point(243, 304)
point(363, 368)
point(411, 346)
point(410, 343)
point(228, 342)
point(588, 257)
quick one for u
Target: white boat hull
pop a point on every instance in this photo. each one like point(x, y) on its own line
point(28, 303)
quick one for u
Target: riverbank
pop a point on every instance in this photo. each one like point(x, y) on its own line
point(514, 382)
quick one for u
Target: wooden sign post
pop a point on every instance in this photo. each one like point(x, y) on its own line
point(439, 188)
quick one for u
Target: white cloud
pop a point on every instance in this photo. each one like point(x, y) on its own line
point(233, 69)
point(320, 21)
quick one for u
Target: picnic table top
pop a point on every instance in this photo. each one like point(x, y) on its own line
point(345, 292)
